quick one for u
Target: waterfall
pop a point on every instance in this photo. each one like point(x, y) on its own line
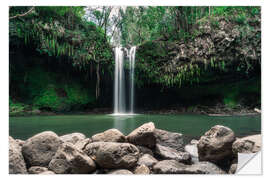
point(131, 76)
point(119, 80)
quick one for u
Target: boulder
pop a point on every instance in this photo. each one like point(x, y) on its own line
point(82, 143)
point(20, 142)
point(145, 150)
point(72, 138)
point(192, 149)
point(39, 170)
point(113, 155)
point(249, 144)
point(233, 168)
point(147, 160)
point(170, 139)
point(111, 135)
point(174, 167)
point(169, 153)
point(143, 135)
point(142, 169)
point(39, 149)
point(120, 171)
point(70, 160)
point(216, 144)
point(16, 161)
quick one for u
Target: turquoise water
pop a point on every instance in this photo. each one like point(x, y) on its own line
point(190, 125)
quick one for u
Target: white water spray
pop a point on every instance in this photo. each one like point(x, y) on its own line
point(119, 81)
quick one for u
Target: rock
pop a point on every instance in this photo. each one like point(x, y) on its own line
point(16, 161)
point(142, 169)
point(216, 144)
point(68, 160)
point(39, 170)
point(192, 149)
point(120, 171)
point(170, 153)
point(72, 138)
point(143, 135)
point(170, 139)
point(39, 149)
point(82, 144)
point(145, 150)
point(113, 155)
point(20, 142)
point(174, 167)
point(233, 168)
point(249, 144)
point(147, 160)
point(111, 135)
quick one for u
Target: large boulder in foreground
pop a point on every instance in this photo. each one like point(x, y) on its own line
point(83, 143)
point(143, 135)
point(142, 169)
point(174, 167)
point(170, 139)
point(69, 160)
point(113, 155)
point(192, 149)
point(147, 160)
point(39, 170)
point(216, 144)
point(169, 153)
point(111, 135)
point(72, 138)
point(16, 161)
point(120, 171)
point(39, 149)
point(249, 144)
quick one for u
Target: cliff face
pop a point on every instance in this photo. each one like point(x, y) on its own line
point(223, 44)
point(219, 61)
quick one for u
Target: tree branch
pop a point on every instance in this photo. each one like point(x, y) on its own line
point(24, 14)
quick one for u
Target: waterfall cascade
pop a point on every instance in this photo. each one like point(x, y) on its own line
point(120, 104)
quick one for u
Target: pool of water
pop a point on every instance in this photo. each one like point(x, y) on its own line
point(190, 125)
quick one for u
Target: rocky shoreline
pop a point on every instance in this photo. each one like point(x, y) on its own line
point(146, 150)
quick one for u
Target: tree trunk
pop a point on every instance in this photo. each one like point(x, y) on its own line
point(98, 81)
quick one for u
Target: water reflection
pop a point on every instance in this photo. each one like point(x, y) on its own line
point(125, 124)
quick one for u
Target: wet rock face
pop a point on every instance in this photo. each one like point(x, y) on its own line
point(170, 139)
point(111, 135)
point(16, 161)
point(143, 135)
point(169, 153)
point(113, 155)
point(68, 159)
point(39, 149)
point(174, 167)
point(249, 144)
point(72, 138)
point(216, 144)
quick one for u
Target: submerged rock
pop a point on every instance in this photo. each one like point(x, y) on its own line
point(147, 160)
point(249, 144)
point(16, 161)
point(174, 167)
point(143, 135)
point(170, 139)
point(120, 171)
point(170, 153)
point(111, 135)
point(113, 155)
point(68, 159)
point(216, 144)
point(39, 149)
point(72, 138)
point(142, 169)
